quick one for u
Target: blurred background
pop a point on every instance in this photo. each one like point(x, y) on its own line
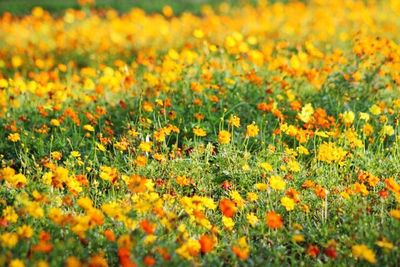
point(21, 7)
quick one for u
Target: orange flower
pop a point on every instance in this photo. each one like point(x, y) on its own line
point(147, 227)
point(82, 179)
point(149, 260)
point(295, 105)
point(228, 207)
point(240, 253)
point(124, 258)
point(207, 244)
point(141, 161)
point(109, 234)
point(44, 236)
point(242, 249)
point(43, 246)
point(320, 191)
point(274, 220)
point(164, 253)
point(265, 107)
point(137, 184)
point(99, 261)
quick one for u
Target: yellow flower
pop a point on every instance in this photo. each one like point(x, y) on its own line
point(252, 219)
point(147, 106)
point(261, 186)
point(364, 116)
point(298, 238)
point(228, 223)
point(85, 203)
point(395, 214)
point(14, 137)
point(74, 186)
point(396, 103)
point(293, 166)
point(17, 180)
point(234, 121)
point(348, 117)
point(288, 203)
point(7, 173)
point(56, 155)
point(363, 252)
point(159, 157)
point(183, 180)
point(189, 249)
point(266, 166)
point(388, 130)
point(237, 198)
point(159, 135)
point(75, 154)
point(145, 146)
point(25, 231)
point(42, 263)
point(252, 130)
point(149, 239)
point(375, 109)
point(277, 183)
point(322, 134)
point(34, 209)
point(121, 146)
point(246, 167)
point(108, 174)
point(55, 122)
point(88, 128)
point(199, 132)
point(9, 240)
point(198, 33)
point(306, 112)
point(47, 178)
point(133, 133)
point(357, 76)
point(385, 244)
point(10, 215)
point(101, 147)
point(224, 137)
point(16, 263)
point(329, 152)
point(3, 83)
point(303, 150)
point(16, 61)
point(252, 197)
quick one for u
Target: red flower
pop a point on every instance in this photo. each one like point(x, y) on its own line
point(383, 193)
point(313, 251)
point(331, 252)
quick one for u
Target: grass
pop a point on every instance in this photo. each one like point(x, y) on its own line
point(21, 7)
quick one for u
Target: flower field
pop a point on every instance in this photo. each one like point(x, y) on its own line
point(259, 134)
